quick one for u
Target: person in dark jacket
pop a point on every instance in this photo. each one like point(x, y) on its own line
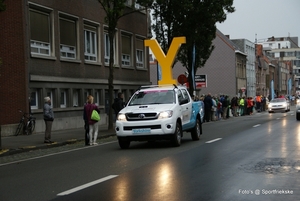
point(207, 107)
point(118, 104)
point(48, 118)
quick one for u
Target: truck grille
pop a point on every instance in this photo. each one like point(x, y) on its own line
point(128, 128)
point(141, 116)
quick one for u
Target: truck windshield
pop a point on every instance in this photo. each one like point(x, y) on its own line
point(153, 97)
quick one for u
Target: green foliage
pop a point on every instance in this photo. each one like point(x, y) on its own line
point(2, 5)
point(194, 19)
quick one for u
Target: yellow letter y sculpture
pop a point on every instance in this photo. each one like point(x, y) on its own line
point(166, 62)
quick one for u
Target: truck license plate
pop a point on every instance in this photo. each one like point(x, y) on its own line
point(141, 130)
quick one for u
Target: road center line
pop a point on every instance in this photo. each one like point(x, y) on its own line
point(257, 125)
point(87, 185)
point(208, 142)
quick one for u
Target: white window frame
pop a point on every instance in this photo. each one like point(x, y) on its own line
point(42, 48)
point(92, 55)
point(36, 106)
point(107, 50)
point(68, 51)
point(140, 58)
point(97, 98)
point(75, 98)
point(126, 58)
point(63, 99)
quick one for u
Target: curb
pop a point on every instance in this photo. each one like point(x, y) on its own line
point(7, 152)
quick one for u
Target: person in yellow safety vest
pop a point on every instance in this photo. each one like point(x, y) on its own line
point(242, 104)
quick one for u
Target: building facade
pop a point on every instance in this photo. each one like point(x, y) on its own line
point(248, 47)
point(49, 48)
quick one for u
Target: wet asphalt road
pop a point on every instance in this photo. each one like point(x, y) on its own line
point(245, 158)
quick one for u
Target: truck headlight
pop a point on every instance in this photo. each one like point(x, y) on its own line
point(298, 101)
point(165, 114)
point(121, 117)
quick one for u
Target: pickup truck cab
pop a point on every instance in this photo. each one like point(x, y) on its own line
point(159, 113)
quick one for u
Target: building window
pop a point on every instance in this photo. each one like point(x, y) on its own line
point(50, 94)
point(68, 38)
point(107, 49)
point(40, 32)
point(90, 43)
point(126, 50)
point(97, 98)
point(34, 101)
point(75, 98)
point(140, 53)
point(63, 99)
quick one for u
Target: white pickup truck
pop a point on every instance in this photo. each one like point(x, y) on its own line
point(159, 113)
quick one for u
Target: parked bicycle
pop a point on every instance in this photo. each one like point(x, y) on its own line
point(26, 125)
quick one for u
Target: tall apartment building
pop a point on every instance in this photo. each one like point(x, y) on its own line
point(52, 48)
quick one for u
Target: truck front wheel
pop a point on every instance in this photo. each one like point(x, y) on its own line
point(176, 138)
point(196, 131)
point(124, 144)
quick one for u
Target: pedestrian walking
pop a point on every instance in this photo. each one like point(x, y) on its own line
point(93, 124)
point(48, 118)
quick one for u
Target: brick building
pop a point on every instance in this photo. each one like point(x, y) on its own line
point(50, 48)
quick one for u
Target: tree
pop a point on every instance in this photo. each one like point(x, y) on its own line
point(2, 8)
point(2, 5)
point(194, 19)
point(116, 9)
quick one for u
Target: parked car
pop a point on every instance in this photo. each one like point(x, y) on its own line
point(279, 105)
point(298, 109)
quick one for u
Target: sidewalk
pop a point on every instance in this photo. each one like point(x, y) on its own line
point(23, 143)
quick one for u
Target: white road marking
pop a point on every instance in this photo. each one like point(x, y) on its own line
point(211, 141)
point(256, 125)
point(87, 185)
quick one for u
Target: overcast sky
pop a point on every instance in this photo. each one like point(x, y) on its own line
point(262, 19)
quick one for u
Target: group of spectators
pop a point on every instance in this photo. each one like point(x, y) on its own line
point(220, 107)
